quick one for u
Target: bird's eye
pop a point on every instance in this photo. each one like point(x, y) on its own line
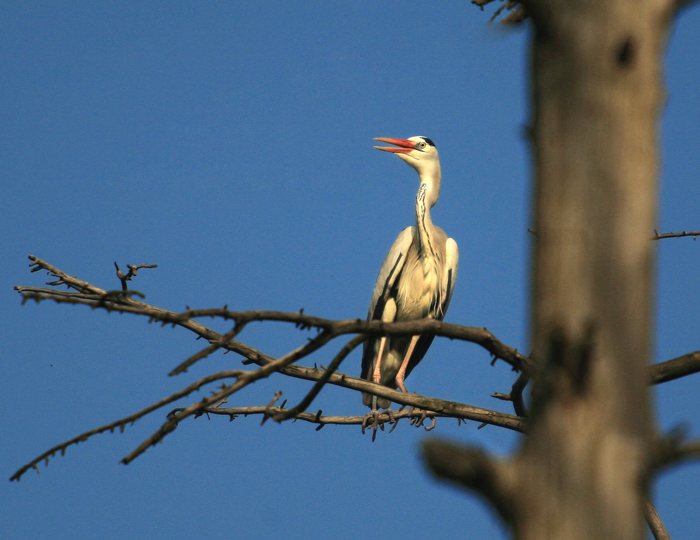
point(422, 145)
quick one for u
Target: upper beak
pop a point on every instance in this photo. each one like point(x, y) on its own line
point(406, 147)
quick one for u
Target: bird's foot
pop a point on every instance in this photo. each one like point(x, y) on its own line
point(371, 421)
point(419, 421)
point(393, 420)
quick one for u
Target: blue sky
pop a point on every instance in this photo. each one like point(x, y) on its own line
point(231, 144)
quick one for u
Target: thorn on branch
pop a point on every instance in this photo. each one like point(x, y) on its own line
point(268, 414)
point(133, 271)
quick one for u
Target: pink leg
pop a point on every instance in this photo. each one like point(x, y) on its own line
point(377, 373)
point(401, 375)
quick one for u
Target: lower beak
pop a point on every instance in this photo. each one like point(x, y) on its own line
point(405, 146)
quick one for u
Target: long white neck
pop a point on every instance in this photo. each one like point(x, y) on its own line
point(427, 196)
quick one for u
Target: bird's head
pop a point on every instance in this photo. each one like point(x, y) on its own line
point(419, 152)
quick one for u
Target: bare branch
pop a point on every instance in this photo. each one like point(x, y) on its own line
point(123, 301)
point(516, 16)
point(123, 304)
point(516, 395)
point(433, 407)
point(385, 417)
point(63, 279)
point(215, 346)
point(472, 468)
point(672, 451)
point(658, 236)
point(244, 379)
point(308, 399)
point(674, 369)
point(122, 423)
point(133, 270)
point(687, 451)
point(657, 527)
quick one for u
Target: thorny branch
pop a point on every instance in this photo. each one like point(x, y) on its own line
point(385, 417)
point(121, 424)
point(123, 301)
point(422, 407)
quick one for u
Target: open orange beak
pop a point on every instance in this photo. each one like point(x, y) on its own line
point(405, 146)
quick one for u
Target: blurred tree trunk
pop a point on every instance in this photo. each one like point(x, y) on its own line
point(582, 470)
point(597, 95)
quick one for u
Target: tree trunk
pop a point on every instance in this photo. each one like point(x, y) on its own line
point(582, 470)
point(596, 81)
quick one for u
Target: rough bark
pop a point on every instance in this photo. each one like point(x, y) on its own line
point(582, 470)
point(597, 91)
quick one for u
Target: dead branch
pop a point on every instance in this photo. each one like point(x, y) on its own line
point(656, 525)
point(516, 395)
point(123, 301)
point(385, 417)
point(674, 369)
point(658, 236)
point(673, 450)
point(327, 373)
point(122, 423)
point(472, 468)
point(133, 270)
point(430, 408)
point(517, 15)
point(99, 298)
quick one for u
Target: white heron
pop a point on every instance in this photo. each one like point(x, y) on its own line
point(416, 280)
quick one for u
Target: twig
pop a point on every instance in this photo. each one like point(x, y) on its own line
point(123, 301)
point(315, 418)
point(479, 336)
point(122, 423)
point(675, 368)
point(328, 372)
point(133, 270)
point(516, 16)
point(215, 346)
point(516, 395)
point(660, 236)
point(656, 525)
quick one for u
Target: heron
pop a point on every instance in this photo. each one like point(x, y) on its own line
point(416, 280)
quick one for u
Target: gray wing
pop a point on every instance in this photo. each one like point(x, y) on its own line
point(385, 288)
point(450, 276)
point(388, 274)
